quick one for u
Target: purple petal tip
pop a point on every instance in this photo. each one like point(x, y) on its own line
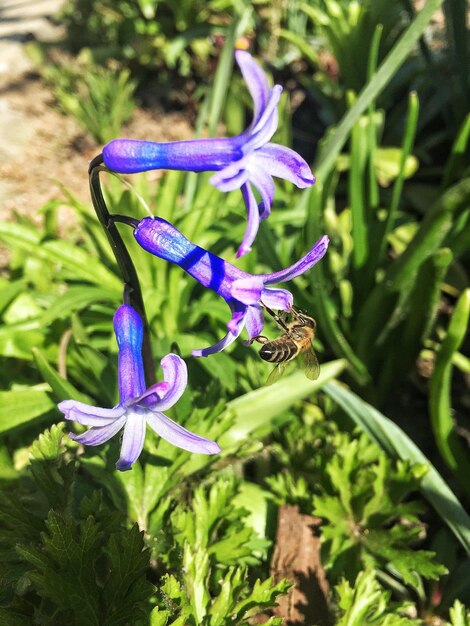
point(123, 466)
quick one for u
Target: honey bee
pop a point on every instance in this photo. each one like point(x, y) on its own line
point(299, 332)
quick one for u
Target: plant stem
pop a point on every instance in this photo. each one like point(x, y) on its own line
point(132, 291)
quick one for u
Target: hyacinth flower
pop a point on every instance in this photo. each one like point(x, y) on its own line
point(244, 293)
point(241, 162)
point(137, 406)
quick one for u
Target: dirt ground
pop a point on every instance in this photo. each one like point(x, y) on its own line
point(55, 150)
point(41, 149)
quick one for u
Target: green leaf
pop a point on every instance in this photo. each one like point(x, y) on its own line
point(18, 408)
point(394, 59)
point(76, 299)
point(257, 409)
point(367, 604)
point(61, 388)
point(397, 444)
point(389, 163)
point(78, 264)
point(459, 615)
point(450, 446)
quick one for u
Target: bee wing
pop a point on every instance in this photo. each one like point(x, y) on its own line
point(276, 374)
point(311, 365)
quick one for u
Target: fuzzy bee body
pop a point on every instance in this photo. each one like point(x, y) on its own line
point(296, 339)
point(280, 350)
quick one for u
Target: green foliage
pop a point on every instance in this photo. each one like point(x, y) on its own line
point(459, 615)
point(215, 546)
point(100, 99)
point(368, 604)
point(161, 36)
point(363, 498)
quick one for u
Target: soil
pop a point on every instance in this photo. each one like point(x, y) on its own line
point(56, 151)
point(43, 150)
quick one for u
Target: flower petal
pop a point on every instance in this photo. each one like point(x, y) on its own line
point(129, 330)
point(266, 126)
point(158, 390)
point(285, 163)
point(179, 436)
point(304, 264)
point(248, 290)
point(175, 374)
point(97, 436)
point(89, 415)
point(231, 177)
point(235, 326)
point(280, 299)
point(264, 183)
point(255, 80)
point(252, 221)
point(132, 440)
point(254, 321)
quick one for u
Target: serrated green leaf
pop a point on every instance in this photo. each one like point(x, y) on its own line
point(397, 444)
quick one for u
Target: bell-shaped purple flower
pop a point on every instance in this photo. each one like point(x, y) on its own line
point(244, 293)
point(137, 406)
point(242, 161)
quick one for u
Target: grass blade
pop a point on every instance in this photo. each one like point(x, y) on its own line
point(332, 147)
point(447, 440)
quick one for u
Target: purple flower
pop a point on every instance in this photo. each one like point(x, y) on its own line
point(137, 406)
point(240, 162)
point(244, 293)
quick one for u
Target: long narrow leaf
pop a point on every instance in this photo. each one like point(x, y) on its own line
point(257, 408)
point(332, 147)
point(397, 444)
point(448, 442)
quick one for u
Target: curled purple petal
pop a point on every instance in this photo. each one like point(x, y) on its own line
point(158, 390)
point(129, 331)
point(248, 290)
point(264, 183)
point(285, 163)
point(235, 326)
point(254, 321)
point(305, 263)
point(97, 435)
point(231, 177)
point(89, 415)
point(266, 125)
point(132, 440)
point(179, 436)
point(253, 220)
point(280, 299)
point(175, 374)
point(256, 82)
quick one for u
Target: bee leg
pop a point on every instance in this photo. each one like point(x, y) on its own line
point(300, 318)
point(276, 318)
point(259, 339)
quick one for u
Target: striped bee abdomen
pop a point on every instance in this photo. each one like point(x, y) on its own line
point(278, 350)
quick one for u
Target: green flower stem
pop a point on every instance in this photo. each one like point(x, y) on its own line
point(132, 291)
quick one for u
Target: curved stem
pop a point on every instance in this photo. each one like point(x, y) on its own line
point(132, 291)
